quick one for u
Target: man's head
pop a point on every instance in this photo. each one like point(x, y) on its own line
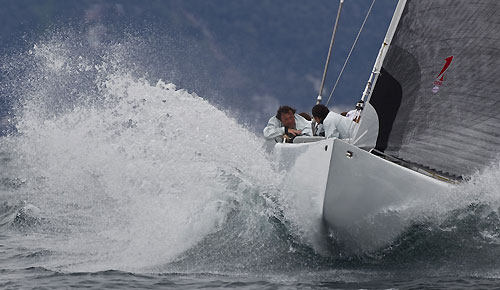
point(319, 113)
point(286, 115)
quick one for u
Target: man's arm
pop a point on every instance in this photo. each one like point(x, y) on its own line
point(331, 132)
point(330, 125)
point(346, 128)
point(274, 128)
point(303, 125)
point(307, 130)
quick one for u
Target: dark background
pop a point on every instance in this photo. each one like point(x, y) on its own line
point(246, 57)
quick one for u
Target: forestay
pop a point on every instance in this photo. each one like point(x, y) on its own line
point(438, 93)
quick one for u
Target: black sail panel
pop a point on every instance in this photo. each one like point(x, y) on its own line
point(386, 99)
point(445, 56)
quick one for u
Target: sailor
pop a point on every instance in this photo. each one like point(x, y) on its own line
point(286, 124)
point(353, 114)
point(333, 124)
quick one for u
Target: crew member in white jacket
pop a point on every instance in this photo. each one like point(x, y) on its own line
point(287, 124)
point(334, 125)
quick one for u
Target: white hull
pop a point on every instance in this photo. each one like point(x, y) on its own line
point(317, 154)
point(364, 194)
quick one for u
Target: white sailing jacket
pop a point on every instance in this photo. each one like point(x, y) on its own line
point(338, 126)
point(275, 128)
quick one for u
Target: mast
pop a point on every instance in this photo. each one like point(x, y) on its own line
point(372, 80)
point(383, 50)
point(318, 100)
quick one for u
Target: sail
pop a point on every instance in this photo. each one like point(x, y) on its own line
point(438, 93)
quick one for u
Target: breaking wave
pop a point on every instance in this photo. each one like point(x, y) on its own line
point(118, 172)
point(108, 169)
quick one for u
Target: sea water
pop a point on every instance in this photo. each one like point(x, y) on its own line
point(109, 179)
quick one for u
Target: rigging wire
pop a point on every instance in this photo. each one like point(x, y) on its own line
point(350, 52)
point(318, 100)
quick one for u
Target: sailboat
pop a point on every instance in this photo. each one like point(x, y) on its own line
point(430, 120)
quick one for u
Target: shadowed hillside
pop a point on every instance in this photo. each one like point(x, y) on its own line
point(244, 56)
